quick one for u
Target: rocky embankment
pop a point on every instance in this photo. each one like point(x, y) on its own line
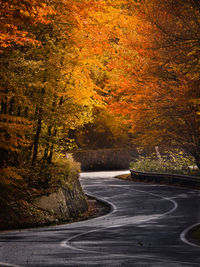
point(54, 205)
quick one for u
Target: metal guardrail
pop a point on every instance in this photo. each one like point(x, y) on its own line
point(173, 179)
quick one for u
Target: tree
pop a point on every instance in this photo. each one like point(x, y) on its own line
point(46, 89)
point(35, 87)
point(158, 70)
point(106, 130)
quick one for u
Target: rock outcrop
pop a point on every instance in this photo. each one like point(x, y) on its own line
point(59, 204)
point(65, 203)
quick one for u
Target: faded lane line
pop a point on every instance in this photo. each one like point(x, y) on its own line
point(141, 191)
point(113, 207)
point(156, 195)
point(66, 243)
point(3, 264)
point(184, 233)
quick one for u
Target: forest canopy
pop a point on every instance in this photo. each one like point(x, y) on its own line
point(127, 70)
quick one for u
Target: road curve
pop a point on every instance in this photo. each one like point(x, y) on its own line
point(146, 227)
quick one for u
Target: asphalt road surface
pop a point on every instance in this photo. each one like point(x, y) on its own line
point(146, 227)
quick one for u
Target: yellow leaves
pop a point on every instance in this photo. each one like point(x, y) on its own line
point(194, 51)
point(4, 45)
point(14, 119)
point(82, 90)
point(13, 130)
point(9, 176)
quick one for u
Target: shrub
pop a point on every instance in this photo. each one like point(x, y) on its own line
point(44, 175)
point(105, 159)
point(64, 170)
point(172, 162)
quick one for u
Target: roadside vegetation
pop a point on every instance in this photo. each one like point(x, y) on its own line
point(40, 178)
point(17, 200)
point(172, 162)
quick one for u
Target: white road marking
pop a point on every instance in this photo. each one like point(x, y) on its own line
point(184, 233)
point(3, 264)
point(138, 219)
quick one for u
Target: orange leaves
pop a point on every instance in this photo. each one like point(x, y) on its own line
point(17, 17)
point(9, 176)
point(153, 75)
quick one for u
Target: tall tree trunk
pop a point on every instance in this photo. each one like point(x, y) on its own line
point(37, 135)
point(39, 127)
point(4, 103)
point(11, 106)
point(47, 145)
point(19, 111)
point(26, 113)
point(50, 134)
point(3, 107)
point(49, 159)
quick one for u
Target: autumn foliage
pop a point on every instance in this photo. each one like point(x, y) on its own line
point(154, 80)
point(135, 62)
point(45, 84)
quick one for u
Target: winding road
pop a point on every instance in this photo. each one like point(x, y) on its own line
point(147, 226)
